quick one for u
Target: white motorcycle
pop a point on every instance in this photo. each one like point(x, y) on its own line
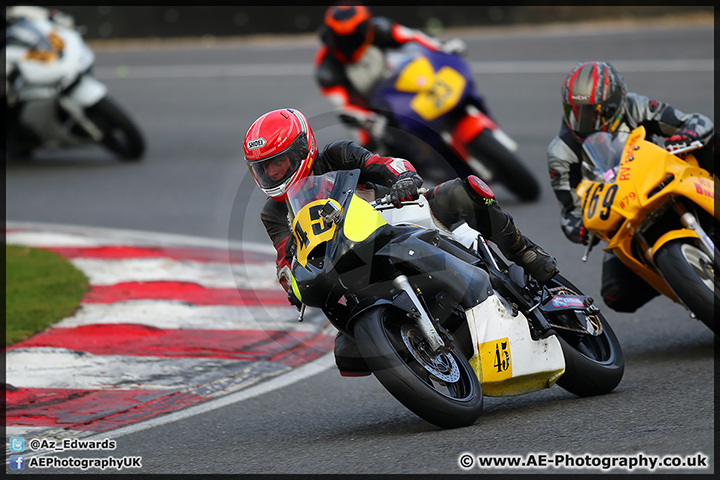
point(52, 97)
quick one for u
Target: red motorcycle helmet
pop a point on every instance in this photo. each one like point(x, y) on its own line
point(347, 31)
point(279, 150)
point(593, 96)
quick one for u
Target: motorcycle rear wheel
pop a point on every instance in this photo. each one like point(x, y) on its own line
point(594, 365)
point(120, 134)
point(399, 357)
point(690, 273)
point(505, 166)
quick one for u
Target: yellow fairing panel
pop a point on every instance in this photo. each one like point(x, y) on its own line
point(361, 220)
point(310, 230)
point(437, 92)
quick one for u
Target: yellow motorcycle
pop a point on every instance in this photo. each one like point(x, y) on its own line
point(656, 212)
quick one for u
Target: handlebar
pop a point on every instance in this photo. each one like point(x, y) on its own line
point(384, 203)
point(694, 145)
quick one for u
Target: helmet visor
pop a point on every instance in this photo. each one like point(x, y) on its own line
point(596, 117)
point(583, 119)
point(275, 170)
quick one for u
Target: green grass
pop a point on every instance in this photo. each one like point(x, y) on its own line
point(41, 288)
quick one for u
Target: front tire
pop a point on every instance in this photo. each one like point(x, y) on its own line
point(691, 275)
point(120, 134)
point(395, 351)
point(594, 365)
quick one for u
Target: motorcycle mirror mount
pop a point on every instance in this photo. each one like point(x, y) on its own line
point(301, 313)
point(330, 213)
point(589, 247)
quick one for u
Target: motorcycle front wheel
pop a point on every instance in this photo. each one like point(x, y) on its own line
point(594, 364)
point(441, 388)
point(120, 134)
point(690, 273)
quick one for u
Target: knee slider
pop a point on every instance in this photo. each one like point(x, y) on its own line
point(478, 190)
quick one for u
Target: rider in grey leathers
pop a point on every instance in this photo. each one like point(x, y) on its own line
point(595, 99)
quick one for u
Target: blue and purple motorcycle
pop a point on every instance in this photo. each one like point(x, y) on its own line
point(437, 119)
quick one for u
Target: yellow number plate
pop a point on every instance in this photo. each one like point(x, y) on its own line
point(310, 230)
point(437, 92)
point(495, 360)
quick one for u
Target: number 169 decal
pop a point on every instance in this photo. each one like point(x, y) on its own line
point(594, 197)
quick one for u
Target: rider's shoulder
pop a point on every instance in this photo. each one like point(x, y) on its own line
point(343, 153)
point(338, 148)
point(639, 102)
point(383, 31)
point(564, 146)
point(272, 208)
point(559, 148)
point(634, 98)
point(641, 108)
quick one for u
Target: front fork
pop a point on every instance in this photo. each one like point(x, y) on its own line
point(421, 318)
point(77, 113)
point(706, 244)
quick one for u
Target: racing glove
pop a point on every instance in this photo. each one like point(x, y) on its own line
point(680, 140)
point(454, 46)
point(285, 277)
point(405, 188)
point(294, 301)
point(576, 232)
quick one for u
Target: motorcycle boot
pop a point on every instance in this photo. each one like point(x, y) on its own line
point(348, 359)
point(520, 249)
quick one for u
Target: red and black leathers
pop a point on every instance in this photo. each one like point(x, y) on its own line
point(468, 199)
point(340, 155)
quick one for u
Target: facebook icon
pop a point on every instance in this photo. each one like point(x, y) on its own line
point(17, 462)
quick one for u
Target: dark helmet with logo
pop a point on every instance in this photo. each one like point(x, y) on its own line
point(347, 31)
point(593, 96)
point(279, 150)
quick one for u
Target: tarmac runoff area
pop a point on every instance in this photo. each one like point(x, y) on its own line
point(170, 326)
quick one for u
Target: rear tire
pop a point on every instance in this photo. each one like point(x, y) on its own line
point(690, 273)
point(120, 134)
point(506, 167)
point(450, 397)
point(594, 365)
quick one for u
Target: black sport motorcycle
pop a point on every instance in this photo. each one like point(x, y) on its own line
point(440, 317)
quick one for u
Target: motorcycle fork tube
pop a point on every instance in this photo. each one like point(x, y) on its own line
point(708, 246)
point(422, 319)
point(77, 113)
point(689, 221)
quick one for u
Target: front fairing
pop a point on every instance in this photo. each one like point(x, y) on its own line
point(47, 56)
point(423, 87)
point(331, 257)
point(351, 263)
